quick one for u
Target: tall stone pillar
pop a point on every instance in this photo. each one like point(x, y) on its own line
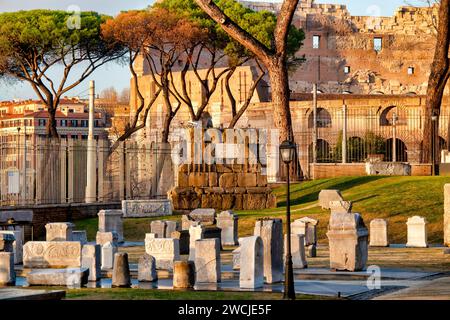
point(91, 194)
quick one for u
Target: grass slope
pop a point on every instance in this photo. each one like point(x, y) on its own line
point(392, 198)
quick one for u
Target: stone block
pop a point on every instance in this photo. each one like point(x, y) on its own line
point(205, 216)
point(308, 227)
point(236, 258)
point(207, 260)
point(109, 249)
point(59, 231)
point(187, 221)
point(341, 206)
point(111, 221)
point(246, 180)
point(227, 180)
point(271, 201)
point(326, 196)
point(198, 179)
point(447, 214)
point(7, 272)
point(254, 201)
point(70, 277)
point(146, 208)
point(271, 233)
point(183, 179)
point(52, 254)
point(17, 244)
point(379, 233)
point(297, 250)
point(183, 238)
point(104, 237)
point(388, 168)
point(158, 228)
point(228, 201)
point(417, 232)
point(348, 241)
point(261, 180)
point(213, 179)
point(171, 226)
point(183, 274)
point(147, 269)
point(195, 233)
point(224, 168)
point(91, 259)
point(259, 190)
point(228, 223)
point(121, 272)
point(164, 250)
point(79, 235)
point(251, 275)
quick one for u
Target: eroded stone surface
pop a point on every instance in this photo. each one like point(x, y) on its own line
point(70, 277)
point(308, 227)
point(104, 237)
point(164, 250)
point(183, 274)
point(121, 271)
point(111, 221)
point(206, 217)
point(147, 269)
point(228, 223)
point(271, 233)
point(91, 259)
point(297, 250)
point(207, 260)
point(348, 242)
point(251, 275)
point(109, 249)
point(326, 196)
point(195, 233)
point(146, 208)
point(52, 254)
point(341, 206)
point(59, 231)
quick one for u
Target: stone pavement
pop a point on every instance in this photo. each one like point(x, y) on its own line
point(437, 289)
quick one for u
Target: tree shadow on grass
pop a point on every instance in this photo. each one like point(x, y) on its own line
point(342, 186)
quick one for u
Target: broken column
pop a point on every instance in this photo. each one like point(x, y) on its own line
point(297, 250)
point(348, 237)
point(228, 223)
point(251, 275)
point(271, 233)
point(195, 233)
point(121, 271)
point(307, 227)
point(379, 233)
point(183, 274)
point(417, 232)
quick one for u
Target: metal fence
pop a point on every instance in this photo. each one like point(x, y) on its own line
point(50, 171)
point(388, 134)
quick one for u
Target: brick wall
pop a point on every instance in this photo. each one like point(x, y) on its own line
point(43, 214)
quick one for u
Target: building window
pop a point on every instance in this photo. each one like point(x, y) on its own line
point(316, 42)
point(84, 123)
point(63, 123)
point(410, 71)
point(42, 122)
point(347, 69)
point(377, 44)
point(73, 123)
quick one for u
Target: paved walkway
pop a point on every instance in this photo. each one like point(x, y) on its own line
point(437, 289)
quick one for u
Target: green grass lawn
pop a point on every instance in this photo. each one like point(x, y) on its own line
point(392, 198)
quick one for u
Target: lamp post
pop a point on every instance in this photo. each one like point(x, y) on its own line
point(287, 150)
point(433, 143)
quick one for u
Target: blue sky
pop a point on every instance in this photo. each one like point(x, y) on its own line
point(118, 76)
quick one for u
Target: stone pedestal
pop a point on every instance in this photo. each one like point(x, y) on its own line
point(379, 233)
point(183, 274)
point(326, 196)
point(228, 223)
point(341, 206)
point(251, 255)
point(307, 227)
point(111, 221)
point(183, 238)
point(447, 214)
point(109, 249)
point(59, 231)
point(348, 241)
point(207, 260)
point(271, 233)
point(7, 273)
point(417, 232)
point(121, 271)
point(17, 244)
point(91, 259)
point(171, 226)
point(164, 250)
point(147, 269)
point(297, 250)
point(158, 228)
point(195, 233)
point(206, 217)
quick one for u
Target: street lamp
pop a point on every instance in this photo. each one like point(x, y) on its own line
point(287, 150)
point(434, 118)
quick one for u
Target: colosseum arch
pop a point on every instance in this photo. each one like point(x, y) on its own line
point(323, 119)
point(387, 114)
point(400, 148)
